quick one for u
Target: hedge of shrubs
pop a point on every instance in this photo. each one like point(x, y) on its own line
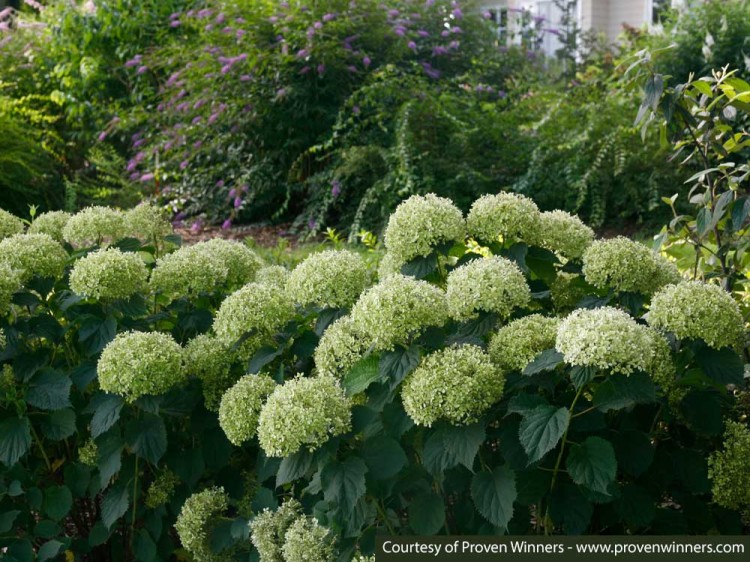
point(502, 372)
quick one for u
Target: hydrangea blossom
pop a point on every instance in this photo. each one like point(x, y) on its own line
point(276, 276)
point(140, 363)
point(493, 285)
point(340, 347)
point(626, 265)
point(700, 311)
point(147, 223)
point(109, 274)
point(307, 540)
point(33, 255)
point(304, 412)
point(397, 309)
point(510, 216)
point(10, 282)
point(727, 468)
point(88, 453)
point(519, 342)
point(196, 519)
point(389, 265)
point(95, 225)
point(161, 489)
point(268, 529)
point(566, 234)
point(240, 407)
point(333, 279)
point(189, 271)
point(242, 262)
point(209, 359)
point(456, 384)
point(51, 223)
point(9, 224)
point(421, 223)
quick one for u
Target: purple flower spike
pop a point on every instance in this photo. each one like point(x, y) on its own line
point(245, 78)
point(197, 119)
point(335, 188)
point(366, 61)
point(237, 202)
point(196, 226)
point(175, 23)
point(220, 183)
point(232, 193)
point(318, 25)
point(311, 223)
point(356, 110)
point(147, 177)
point(142, 70)
point(184, 164)
point(412, 45)
point(102, 136)
point(353, 69)
point(197, 144)
point(329, 17)
point(139, 143)
point(226, 225)
point(458, 14)
point(321, 69)
point(303, 53)
point(423, 33)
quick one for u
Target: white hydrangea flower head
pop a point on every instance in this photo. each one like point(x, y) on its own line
point(148, 223)
point(268, 529)
point(727, 468)
point(520, 341)
point(609, 339)
point(161, 489)
point(340, 347)
point(276, 276)
point(421, 223)
point(332, 279)
point(96, 225)
point(389, 265)
point(209, 359)
point(189, 271)
point(240, 407)
point(625, 265)
point(140, 363)
point(509, 216)
point(307, 540)
point(34, 255)
point(304, 412)
point(10, 282)
point(241, 261)
point(9, 224)
point(196, 520)
point(51, 223)
point(493, 285)
point(456, 384)
point(566, 234)
point(109, 274)
point(698, 311)
point(3, 339)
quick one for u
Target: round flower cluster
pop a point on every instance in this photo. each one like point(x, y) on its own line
point(51, 223)
point(519, 342)
point(510, 216)
point(727, 469)
point(9, 224)
point(147, 223)
point(419, 224)
point(276, 276)
point(609, 339)
point(140, 363)
point(10, 282)
point(697, 310)
point(196, 519)
point(34, 255)
point(160, 490)
point(332, 279)
point(626, 265)
point(456, 384)
point(242, 262)
point(189, 270)
point(94, 225)
point(492, 285)
point(340, 347)
point(209, 359)
point(566, 234)
point(240, 407)
point(389, 265)
point(268, 529)
point(88, 453)
point(109, 274)
point(398, 308)
point(303, 412)
point(306, 540)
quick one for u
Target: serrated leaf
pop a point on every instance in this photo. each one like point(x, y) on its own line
point(395, 365)
point(293, 467)
point(581, 375)
point(115, 504)
point(384, 456)
point(15, 439)
point(95, 333)
point(724, 366)
point(58, 500)
point(421, 266)
point(362, 374)
point(427, 513)
point(106, 408)
point(59, 424)
point(343, 482)
point(541, 430)
point(83, 374)
point(264, 356)
point(494, 494)
point(109, 448)
point(592, 464)
point(544, 361)
point(147, 437)
point(49, 389)
point(449, 446)
point(620, 391)
point(523, 402)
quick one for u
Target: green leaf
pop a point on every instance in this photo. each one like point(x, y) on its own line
point(523, 402)
point(384, 456)
point(449, 446)
point(621, 391)
point(653, 90)
point(724, 366)
point(106, 408)
point(592, 464)
point(59, 424)
point(7, 519)
point(395, 365)
point(362, 374)
point(109, 455)
point(147, 437)
point(115, 504)
point(49, 390)
point(304, 345)
point(293, 467)
point(703, 221)
point(47, 529)
point(494, 494)
point(421, 266)
point(83, 374)
point(545, 361)
point(343, 482)
point(740, 211)
point(58, 500)
point(95, 333)
point(427, 513)
point(581, 375)
point(15, 439)
point(144, 548)
point(541, 430)
point(635, 506)
point(703, 412)
point(264, 356)
point(48, 550)
point(570, 509)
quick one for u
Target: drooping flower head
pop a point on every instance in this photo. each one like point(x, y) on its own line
point(189, 271)
point(340, 347)
point(566, 234)
point(51, 223)
point(304, 412)
point(240, 407)
point(332, 279)
point(94, 225)
point(456, 384)
point(509, 216)
point(520, 341)
point(109, 274)
point(33, 255)
point(196, 520)
point(276, 276)
point(268, 529)
point(242, 262)
point(148, 223)
point(493, 285)
point(9, 224)
point(209, 359)
point(307, 540)
point(161, 489)
point(727, 468)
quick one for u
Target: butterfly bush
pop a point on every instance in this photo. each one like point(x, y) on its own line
point(94, 225)
point(510, 216)
point(148, 223)
point(566, 234)
point(276, 276)
point(189, 271)
point(9, 224)
point(727, 468)
point(340, 347)
point(268, 529)
point(307, 540)
point(195, 519)
point(332, 279)
point(51, 223)
point(240, 407)
point(210, 360)
point(520, 341)
point(109, 274)
point(33, 255)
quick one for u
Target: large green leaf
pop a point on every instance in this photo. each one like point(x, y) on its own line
point(7, 519)
point(396, 364)
point(570, 509)
point(49, 389)
point(294, 466)
point(59, 424)
point(384, 456)
point(724, 366)
point(106, 408)
point(544, 361)
point(421, 266)
point(95, 333)
point(449, 446)
point(541, 430)
point(624, 391)
point(115, 504)
point(343, 482)
point(48, 550)
point(109, 448)
point(427, 513)
point(147, 437)
point(494, 494)
point(58, 500)
point(592, 464)
point(362, 374)
point(15, 439)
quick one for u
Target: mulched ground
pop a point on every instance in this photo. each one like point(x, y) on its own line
point(264, 235)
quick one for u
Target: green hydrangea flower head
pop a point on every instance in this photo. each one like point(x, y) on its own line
point(398, 308)
point(268, 529)
point(9, 224)
point(51, 223)
point(95, 225)
point(456, 384)
point(520, 341)
point(509, 216)
point(33, 255)
point(608, 339)
point(209, 359)
point(332, 279)
point(493, 285)
point(189, 271)
point(88, 453)
point(148, 223)
point(340, 347)
point(389, 265)
point(161, 489)
point(625, 265)
point(240, 407)
point(109, 274)
point(307, 540)
point(304, 412)
point(241, 261)
point(698, 311)
point(421, 223)
point(727, 468)
point(10, 282)
point(196, 520)
point(276, 276)
point(566, 234)
point(140, 363)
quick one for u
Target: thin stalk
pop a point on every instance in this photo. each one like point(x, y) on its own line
point(41, 448)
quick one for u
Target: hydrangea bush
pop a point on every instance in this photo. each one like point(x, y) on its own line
point(503, 372)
